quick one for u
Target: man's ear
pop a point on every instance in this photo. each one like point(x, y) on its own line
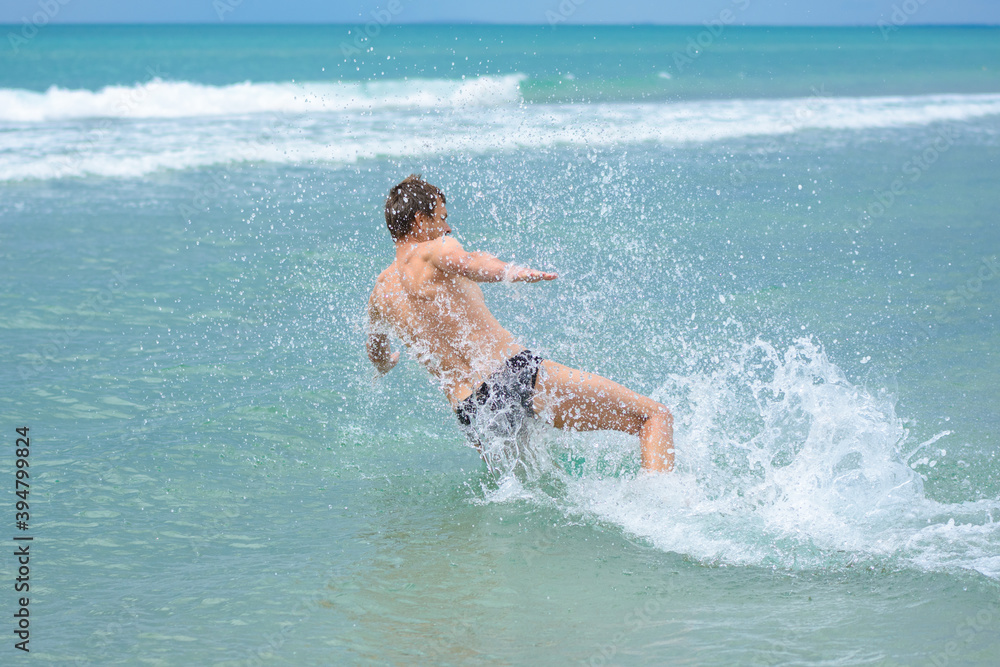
point(418, 221)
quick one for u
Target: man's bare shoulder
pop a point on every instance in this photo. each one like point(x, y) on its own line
point(381, 288)
point(439, 247)
point(428, 261)
point(383, 277)
point(447, 257)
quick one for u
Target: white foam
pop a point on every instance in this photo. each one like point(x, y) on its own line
point(130, 132)
point(183, 99)
point(782, 462)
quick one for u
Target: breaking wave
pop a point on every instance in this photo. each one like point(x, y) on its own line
point(127, 132)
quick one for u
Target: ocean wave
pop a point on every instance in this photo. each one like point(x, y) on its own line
point(183, 99)
point(403, 120)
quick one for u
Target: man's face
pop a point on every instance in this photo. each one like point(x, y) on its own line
point(434, 226)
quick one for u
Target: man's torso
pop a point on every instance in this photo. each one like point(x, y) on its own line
point(443, 318)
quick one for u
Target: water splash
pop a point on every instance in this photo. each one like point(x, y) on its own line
point(782, 462)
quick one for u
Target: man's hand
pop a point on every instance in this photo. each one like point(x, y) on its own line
point(522, 274)
point(378, 343)
point(378, 353)
point(387, 365)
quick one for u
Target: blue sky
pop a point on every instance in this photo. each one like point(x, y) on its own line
point(749, 12)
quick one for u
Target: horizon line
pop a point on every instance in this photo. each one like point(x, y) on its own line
point(541, 24)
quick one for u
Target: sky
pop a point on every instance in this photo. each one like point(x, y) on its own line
point(743, 12)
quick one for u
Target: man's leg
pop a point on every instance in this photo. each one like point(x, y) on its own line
point(586, 402)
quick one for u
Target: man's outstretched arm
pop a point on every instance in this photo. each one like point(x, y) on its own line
point(482, 267)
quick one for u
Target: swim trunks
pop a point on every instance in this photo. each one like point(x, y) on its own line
point(502, 405)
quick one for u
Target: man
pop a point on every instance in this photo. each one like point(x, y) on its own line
point(430, 298)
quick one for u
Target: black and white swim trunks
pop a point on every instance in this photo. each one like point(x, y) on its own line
point(503, 404)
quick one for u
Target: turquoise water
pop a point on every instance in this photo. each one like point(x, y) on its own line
point(190, 223)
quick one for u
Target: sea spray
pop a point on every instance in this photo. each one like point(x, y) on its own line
point(782, 461)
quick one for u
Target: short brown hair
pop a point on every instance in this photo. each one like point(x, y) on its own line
point(407, 199)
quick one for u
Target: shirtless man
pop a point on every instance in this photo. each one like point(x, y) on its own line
point(430, 298)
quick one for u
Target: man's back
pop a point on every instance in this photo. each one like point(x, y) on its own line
point(442, 316)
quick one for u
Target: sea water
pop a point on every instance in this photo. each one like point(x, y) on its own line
point(787, 236)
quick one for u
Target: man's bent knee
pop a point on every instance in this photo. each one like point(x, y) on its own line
point(664, 413)
point(661, 415)
point(656, 414)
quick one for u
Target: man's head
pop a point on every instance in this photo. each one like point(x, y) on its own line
point(412, 198)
